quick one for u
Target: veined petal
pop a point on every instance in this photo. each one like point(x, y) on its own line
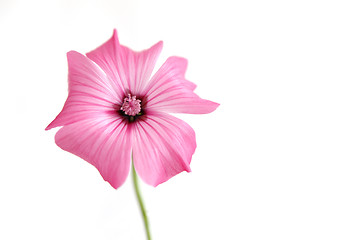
point(129, 70)
point(163, 147)
point(90, 92)
point(104, 142)
point(169, 91)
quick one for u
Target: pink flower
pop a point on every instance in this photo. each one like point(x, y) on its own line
point(115, 109)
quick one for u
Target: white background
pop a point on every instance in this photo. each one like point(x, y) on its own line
point(279, 159)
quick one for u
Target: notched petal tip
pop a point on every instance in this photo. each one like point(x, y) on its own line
point(73, 54)
point(159, 44)
point(49, 127)
point(115, 36)
point(115, 184)
point(212, 105)
point(179, 62)
point(69, 53)
point(154, 50)
point(74, 57)
point(161, 181)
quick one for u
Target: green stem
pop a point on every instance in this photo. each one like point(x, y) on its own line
point(141, 203)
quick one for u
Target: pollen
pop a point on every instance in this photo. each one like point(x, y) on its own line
point(131, 106)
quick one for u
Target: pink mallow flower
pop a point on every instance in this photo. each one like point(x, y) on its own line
point(116, 110)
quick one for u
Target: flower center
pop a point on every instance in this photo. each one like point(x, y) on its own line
point(131, 106)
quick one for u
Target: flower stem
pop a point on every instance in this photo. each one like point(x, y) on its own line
point(141, 203)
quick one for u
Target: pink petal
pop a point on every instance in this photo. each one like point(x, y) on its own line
point(169, 91)
point(163, 147)
point(128, 69)
point(104, 142)
point(90, 92)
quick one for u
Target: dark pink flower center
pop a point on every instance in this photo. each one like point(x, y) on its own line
point(131, 106)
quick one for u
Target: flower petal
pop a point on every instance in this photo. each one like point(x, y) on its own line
point(163, 147)
point(128, 69)
point(169, 91)
point(90, 92)
point(104, 142)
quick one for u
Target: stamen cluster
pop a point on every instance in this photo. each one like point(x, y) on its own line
point(131, 106)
